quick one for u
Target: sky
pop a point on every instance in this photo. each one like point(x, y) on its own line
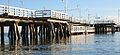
point(102, 8)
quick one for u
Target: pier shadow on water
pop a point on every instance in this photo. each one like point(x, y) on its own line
point(91, 44)
point(43, 44)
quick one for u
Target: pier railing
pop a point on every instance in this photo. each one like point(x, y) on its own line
point(15, 11)
point(103, 21)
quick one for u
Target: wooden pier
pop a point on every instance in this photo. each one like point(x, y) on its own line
point(43, 27)
point(104, 27)
point(34, 31)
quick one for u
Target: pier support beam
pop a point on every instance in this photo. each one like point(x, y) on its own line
point(24, 34)
point(32, 34)
point(112, 28)
point(13, 36)
point(2, 37)
point(36, 34)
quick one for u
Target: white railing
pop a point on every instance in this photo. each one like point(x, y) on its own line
point(82, 29)
point(52, 14)
point(15, 11)
point(103, 21)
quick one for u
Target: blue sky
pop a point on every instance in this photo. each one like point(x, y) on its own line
point(99, 7)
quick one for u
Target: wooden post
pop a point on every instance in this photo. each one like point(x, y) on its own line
point(16, 36)
point(47, 34)
point(42, 35)
point(53, 32)
point(2, 37)
point(26, 35)
point(40, 31)
point(62, 33)
point(36, 34)
point(10, 35)
point(31, 35)
point(58, 32)
point(25, 39)
point(39, 35)
point(50, 32)
point(23, 35)
point(113, 29)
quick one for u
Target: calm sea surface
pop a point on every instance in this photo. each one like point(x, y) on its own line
point(91, 44)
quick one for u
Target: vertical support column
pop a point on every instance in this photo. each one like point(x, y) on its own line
point(43, 29)
point(58, 33)
point(13, 36)
point(36, 34)
point(62, 33)
point(2, 37)
point(105, 29)
point(41, 33)
point(31, 35)
point(50, 35)
point(25, 39)
point(113, 28)
point(26, 35)
point(16, 36)
point(53, 32)
point(23, 35)
point(47, 33)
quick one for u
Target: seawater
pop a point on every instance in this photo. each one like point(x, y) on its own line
point(91, 44)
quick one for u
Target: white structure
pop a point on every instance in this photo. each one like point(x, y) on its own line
point(52, 14)
point(15, 11)
point(82, 29)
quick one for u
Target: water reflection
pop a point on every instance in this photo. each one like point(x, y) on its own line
point(92, 44)
point(82, 39)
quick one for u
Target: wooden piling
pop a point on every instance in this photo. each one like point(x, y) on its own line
point(23, 33)
point(25, 39)
point(2, 37)
point(32, 34)
point(36, 34)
